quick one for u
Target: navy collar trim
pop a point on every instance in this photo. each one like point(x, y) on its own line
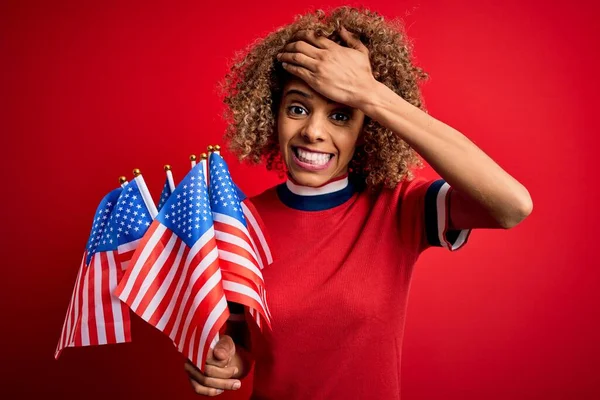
point(315, 199)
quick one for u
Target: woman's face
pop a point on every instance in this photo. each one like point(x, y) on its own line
point(317, 137)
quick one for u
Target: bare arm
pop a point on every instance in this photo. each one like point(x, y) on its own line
point(484, 195)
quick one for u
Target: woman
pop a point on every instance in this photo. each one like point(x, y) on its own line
point(333, 100)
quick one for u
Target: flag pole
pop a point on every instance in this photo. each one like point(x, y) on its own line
point(205, 157)
point(204, 162)
point(210, 148)
point(145, 193)
point(215, 149)
point(193, 160)
point(167, 169)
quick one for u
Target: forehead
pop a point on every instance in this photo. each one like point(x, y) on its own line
point(299, 84)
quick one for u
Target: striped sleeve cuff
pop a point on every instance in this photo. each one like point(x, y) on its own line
point(437, 218)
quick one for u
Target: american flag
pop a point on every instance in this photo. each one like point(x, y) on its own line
point(167, 189)
point(243, 247)
point(174, 280)
point(93, 316)
point(130, 220)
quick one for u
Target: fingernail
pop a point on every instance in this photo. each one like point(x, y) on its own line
point(284, 65)
point(235, 371)
point(278, 56)
point(236, 385)
point(219, 391)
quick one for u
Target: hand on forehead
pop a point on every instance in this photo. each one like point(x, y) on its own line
point(311, 37)
point(340, 73)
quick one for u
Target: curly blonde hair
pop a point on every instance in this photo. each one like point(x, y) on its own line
point(252, 92)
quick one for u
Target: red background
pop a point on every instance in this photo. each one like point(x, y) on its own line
point(91, 90)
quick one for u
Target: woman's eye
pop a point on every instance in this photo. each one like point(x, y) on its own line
point(340, 117)
point(296, 110)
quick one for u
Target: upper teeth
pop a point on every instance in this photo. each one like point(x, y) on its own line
point(313, 158)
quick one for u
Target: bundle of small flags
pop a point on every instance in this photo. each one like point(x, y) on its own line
point(176, 264)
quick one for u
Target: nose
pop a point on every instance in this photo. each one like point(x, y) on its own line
point(313, 131)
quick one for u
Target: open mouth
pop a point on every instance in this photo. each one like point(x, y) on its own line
point(313, 158)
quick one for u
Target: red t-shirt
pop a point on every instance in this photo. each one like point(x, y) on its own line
point(338, 287)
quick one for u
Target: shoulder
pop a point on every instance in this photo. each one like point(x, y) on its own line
point(407, 192)
point(415, 186)
point(265, 199)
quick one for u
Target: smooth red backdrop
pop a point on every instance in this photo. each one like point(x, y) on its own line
point(91, 90)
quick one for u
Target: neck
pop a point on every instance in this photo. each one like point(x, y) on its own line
point(329, 195)
point(331, 186)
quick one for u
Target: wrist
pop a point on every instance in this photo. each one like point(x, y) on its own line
point(372, 97)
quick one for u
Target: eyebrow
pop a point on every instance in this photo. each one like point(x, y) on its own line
point(304, 94)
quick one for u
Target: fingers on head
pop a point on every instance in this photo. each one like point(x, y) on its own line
point(352, 39)
point(309, 36)
point(297, 46)
point(301, 73)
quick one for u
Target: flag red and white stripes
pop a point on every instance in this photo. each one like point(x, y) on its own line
point(94, 316)
point(257, 233)
point(126, 251)
point(173, 281)
point(243, 246)
point(174, 287)
point(241, 264)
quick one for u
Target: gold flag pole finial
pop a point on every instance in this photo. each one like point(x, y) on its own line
point(136, 172)
point(210, 148)
point(193, 157)
point(122, 179)
point(203, 156)
point(217, 148)
point(167, 167)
